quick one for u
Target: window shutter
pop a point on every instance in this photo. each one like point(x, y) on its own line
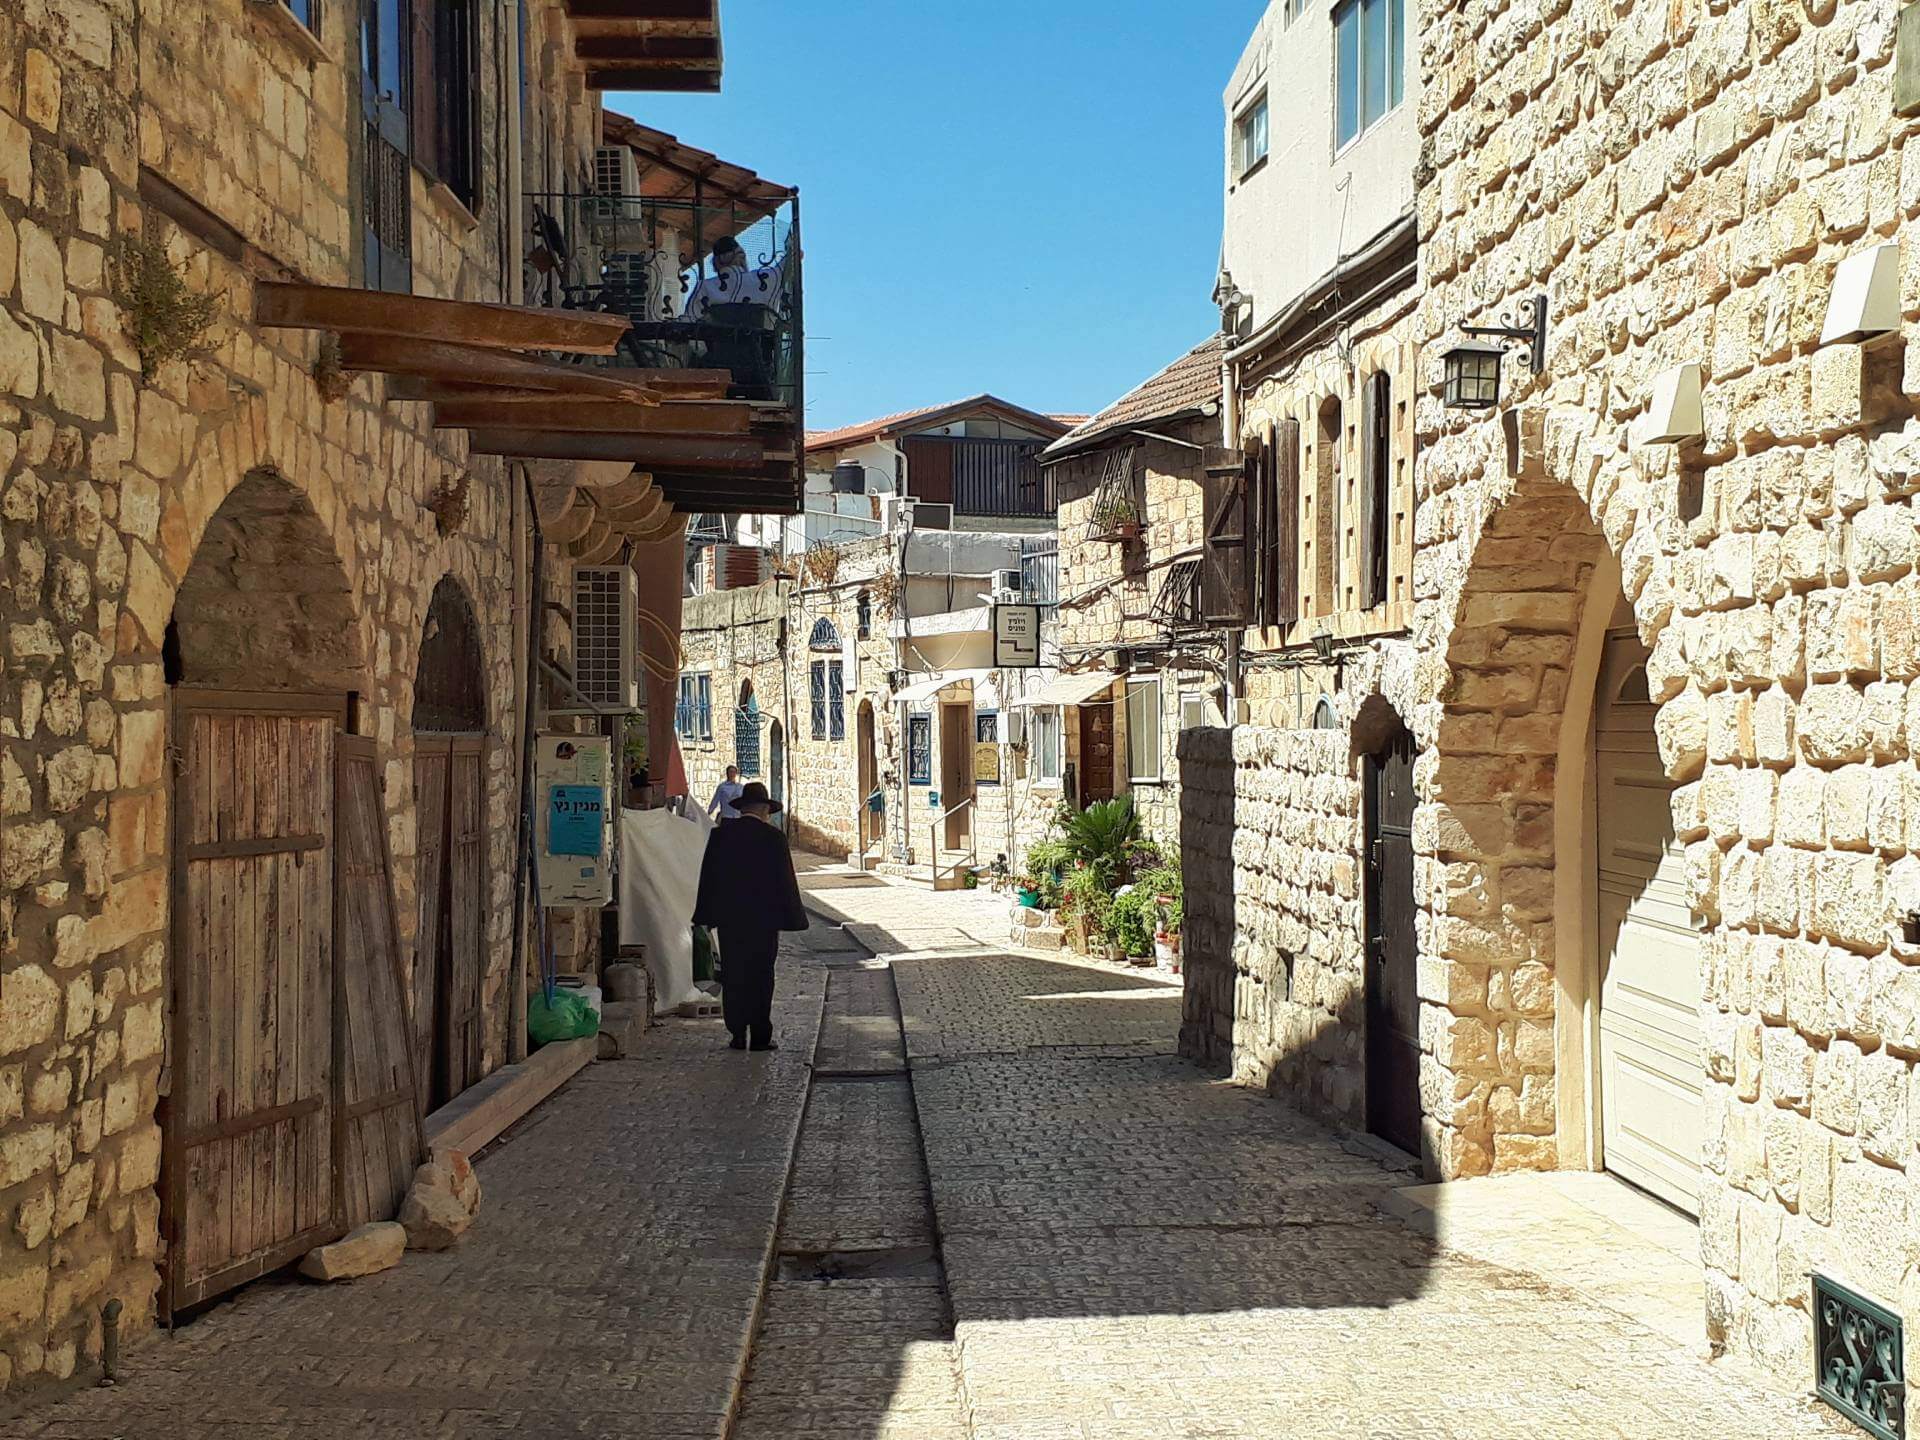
point(1376, 450)
point(424, 113)
point(1286, 540)
point(1224, 580)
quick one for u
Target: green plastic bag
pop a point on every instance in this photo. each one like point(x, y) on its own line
point(702, 953)
point(568, 1016)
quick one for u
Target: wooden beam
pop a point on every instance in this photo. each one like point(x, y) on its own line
point(465, 364)
point(689, 52)
point(705, 11)
point(415, 317)
point(706, 385)
point(697, 419)
point(648, 452)
point(624, 76)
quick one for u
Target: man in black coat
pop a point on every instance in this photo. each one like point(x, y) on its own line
point(749, 894)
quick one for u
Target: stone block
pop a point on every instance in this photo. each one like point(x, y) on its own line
point(31, 1011)
point(432, 1215)
point(623, 1028)
point(365, 1251)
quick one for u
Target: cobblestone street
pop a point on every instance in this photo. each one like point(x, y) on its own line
point(1001, 1209)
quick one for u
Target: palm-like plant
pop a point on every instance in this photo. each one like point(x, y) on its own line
point(1098, 836)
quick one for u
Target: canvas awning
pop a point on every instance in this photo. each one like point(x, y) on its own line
point(928, 688)
point(1074, 689)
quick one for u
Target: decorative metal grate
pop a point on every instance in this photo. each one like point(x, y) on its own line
point(386, 208)
point(1177, 606)
point(1859, 1359)
point(1117, 500)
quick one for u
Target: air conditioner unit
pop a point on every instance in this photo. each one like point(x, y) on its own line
point(1006, 587)
point(616, 181)
point(606, 635)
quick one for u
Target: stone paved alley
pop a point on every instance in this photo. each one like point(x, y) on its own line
point(1002, 1208)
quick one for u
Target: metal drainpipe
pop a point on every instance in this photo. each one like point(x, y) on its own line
point(517, 990)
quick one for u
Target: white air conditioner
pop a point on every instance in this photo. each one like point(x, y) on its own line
point(616, 181)
point(606, 635)
point(1006, 587)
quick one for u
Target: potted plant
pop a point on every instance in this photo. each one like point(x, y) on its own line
point(1118, 518)
point(1026, 890)
point(1132, 924)
point(1163, 883)
point(1088, 909)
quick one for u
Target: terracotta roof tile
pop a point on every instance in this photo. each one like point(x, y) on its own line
point(1188, 383)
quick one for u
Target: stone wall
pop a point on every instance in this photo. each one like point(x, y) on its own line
point(127, 499)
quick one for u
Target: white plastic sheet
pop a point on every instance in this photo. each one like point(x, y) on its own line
point(660, 855)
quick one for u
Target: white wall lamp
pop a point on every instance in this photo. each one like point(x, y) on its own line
point(1865, 300)
point(1674, 412)
point(1471, 374)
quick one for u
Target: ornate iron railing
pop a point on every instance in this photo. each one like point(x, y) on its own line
point(645, 258)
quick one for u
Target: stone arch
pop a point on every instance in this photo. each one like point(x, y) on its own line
point(1503, 776)
point(265, 603)
point(450, 671)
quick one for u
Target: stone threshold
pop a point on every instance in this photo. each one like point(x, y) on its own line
point(480, 1115)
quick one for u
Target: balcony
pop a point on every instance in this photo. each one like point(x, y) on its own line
point(992, 479)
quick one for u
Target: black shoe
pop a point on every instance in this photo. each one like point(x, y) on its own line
point(738, 1042)
point(766, 1045)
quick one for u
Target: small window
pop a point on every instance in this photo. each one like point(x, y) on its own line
point(1193, 711)
point(863, 615)
point(746, 733)
point(693, 708)
point(1045, 730)
point(1323, 714)
point(1143, 729)
point(828, 696)
point(1369, 61)
point(1250, 136)
point(824, 636)
point(919, 749)
point(307, 12)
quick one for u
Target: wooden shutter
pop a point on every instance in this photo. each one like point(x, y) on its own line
point(379, 1142)
point(1376, 463)
point(929, 468)
point(1286, 540)
point(424, 104)
point(1223, 581)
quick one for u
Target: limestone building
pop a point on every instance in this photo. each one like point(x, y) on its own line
point(266, 595)
point(1611, 827)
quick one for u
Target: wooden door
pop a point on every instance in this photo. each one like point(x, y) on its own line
point(379, 1144)
point(869, 773)
point(1392, 996)
point(251, 1173)
point(1096, 752)
point(449, 963)
point(956, 773)
point(1651, 1109)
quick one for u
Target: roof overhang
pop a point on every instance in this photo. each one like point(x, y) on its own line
point(647, 44)
point(671, 169)
point(922, 690)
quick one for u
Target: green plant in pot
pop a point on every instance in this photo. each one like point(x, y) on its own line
point(1131, 922)
point(1088, 909)
point(1099, 838)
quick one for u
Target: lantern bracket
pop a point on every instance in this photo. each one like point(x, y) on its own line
point(1530, 331)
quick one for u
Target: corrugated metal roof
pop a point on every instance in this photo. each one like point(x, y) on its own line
point(1187, 384)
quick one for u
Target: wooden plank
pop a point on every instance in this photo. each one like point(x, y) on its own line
point(486, 1110)
point(666, 451)
point(235, 1126)
point(695, 419)
point(224, 878)
point(467, 910)
point(431, 773)
point(462, 322)
point(320, 1144)
point(670, 384)
point(286, 1175)
point(245, 984)
point(438, 360)
point(254, 846)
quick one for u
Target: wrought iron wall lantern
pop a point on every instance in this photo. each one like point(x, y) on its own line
point(1472, 368)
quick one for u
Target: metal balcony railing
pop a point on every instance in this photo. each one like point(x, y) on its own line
point(644, 258)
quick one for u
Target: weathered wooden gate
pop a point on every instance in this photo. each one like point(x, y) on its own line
point(290, 1109)
point(449, 777)
point(380, 1141)
point(251, 1166)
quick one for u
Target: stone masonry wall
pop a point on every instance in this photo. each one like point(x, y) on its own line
point(1681, 180)
point(109, 482)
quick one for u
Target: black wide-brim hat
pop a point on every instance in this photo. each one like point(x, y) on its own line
point(754, 793)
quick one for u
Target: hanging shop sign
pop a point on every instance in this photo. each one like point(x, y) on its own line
point(1016, 637)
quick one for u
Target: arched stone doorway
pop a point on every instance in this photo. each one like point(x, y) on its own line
point(450, 792)
point(746, 733)
point(277, 839)
point(1553, 846)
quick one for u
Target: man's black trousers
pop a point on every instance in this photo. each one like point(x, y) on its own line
point(746, 968)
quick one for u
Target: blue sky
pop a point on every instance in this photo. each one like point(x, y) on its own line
point(1018, 196)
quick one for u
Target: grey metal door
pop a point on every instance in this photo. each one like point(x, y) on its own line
point(1392, 998)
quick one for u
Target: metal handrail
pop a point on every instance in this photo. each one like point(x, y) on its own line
point(933, 839)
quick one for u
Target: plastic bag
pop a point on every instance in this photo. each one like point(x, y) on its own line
point(702, 954)
point(568, 1016)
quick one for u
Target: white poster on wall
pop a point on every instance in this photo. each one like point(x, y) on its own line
point(573, 796)
point(1016, 637)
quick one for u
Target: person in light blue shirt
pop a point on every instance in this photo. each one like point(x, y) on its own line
point(724, 805)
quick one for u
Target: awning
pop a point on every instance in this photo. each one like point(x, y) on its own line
point(1074, 689)
point(927, 689)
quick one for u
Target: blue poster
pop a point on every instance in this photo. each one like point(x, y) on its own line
point(576, 819)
